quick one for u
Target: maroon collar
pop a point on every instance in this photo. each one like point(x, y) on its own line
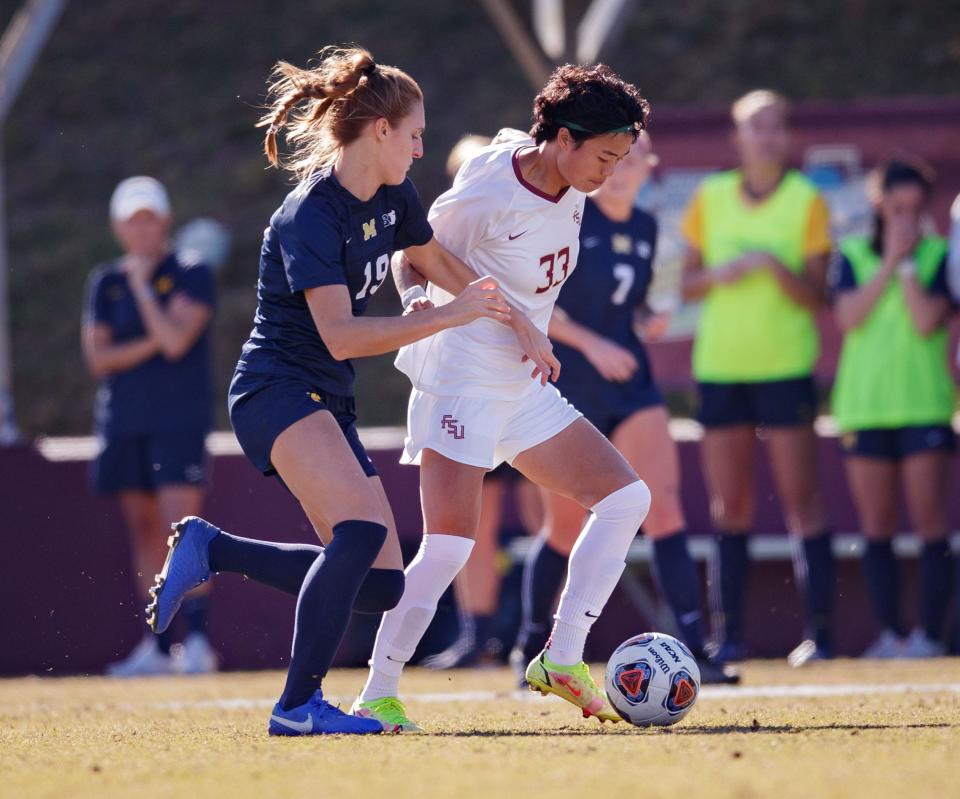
point(529, 186)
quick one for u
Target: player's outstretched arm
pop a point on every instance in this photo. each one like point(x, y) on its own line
point(349, 336)
point(439, 266)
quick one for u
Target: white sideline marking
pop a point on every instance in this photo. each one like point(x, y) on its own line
point(708, 692)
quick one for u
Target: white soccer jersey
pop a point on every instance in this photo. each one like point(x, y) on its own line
point(502, 226)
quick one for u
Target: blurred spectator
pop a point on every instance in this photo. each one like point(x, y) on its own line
point(758, 245)
point(953, 259)
point(477, 586)
point(145, 336)
point(606, 375)
point(894, 399)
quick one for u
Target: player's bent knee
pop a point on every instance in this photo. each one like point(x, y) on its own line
point(630, 503)
point(380, 591)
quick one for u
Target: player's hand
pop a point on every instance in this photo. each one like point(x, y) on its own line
point(739, 268)
point(537, 348)
point(480, 299)
point(138, 269)
point(419, 304)
point(613, 362)
point(655, 325)
point(901, 234)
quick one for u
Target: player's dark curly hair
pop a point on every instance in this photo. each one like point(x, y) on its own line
point(594, 98)
point(903, 170)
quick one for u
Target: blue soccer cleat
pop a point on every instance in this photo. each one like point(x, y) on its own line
point(318, 717)
point(186, 567)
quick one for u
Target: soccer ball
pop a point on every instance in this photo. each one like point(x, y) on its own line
point(652, 679)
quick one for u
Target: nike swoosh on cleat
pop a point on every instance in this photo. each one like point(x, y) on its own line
point(299, 726)
point(517, 236)
point(576, 692)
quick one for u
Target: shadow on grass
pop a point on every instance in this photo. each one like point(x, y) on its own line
point(727, 729)
point(793, 729)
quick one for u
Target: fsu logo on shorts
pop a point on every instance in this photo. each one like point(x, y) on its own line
point(633, 681)
point(449, 424)
point(683, 692)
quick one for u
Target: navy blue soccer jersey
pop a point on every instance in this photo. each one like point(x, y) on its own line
point(323, 236)
point(156, 396)
point(612, 278)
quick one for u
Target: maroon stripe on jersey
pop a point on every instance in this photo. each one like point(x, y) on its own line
point(529, 186)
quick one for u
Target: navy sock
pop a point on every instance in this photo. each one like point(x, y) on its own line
point(883, 584)
point(730, 582)
point(543, 573)
point(281, 566)
point(816, 574)
point(195, 611)
point(677, 575)
point(324, 605)
point(285, 566)
point(936, 573)
point(164, 641)
point(482, 629)
point(380, 591)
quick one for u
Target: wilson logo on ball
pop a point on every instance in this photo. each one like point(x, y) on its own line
point(633, 681)
point(683, 692)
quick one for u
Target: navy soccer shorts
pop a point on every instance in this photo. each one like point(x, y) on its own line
point(772, 403)
point(896, 443)
point(262, 408)
point(147, 461)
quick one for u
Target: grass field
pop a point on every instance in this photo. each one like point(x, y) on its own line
point(843, 729)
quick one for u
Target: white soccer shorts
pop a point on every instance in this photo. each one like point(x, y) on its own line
point(484, 432)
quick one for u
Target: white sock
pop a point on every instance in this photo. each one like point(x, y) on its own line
point(427, 577)
point(596, 563)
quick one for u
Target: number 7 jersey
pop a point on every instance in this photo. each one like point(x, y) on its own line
point(499, 225)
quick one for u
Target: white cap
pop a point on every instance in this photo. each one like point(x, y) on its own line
point(138, 194)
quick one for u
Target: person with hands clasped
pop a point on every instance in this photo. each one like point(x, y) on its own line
point(894, 400)
point(758, 245)
point(146, 337)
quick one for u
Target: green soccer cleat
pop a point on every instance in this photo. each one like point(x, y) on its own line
point(389, 711)
point(572, 683)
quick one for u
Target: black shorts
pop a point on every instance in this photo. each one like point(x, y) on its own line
point(606, 404)
point(773, 403)
point(504, 472)
point(146, 461)
point(608, 413)
point(261, 408)
point(896, 443)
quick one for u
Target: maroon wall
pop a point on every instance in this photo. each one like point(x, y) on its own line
point(67, 594)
